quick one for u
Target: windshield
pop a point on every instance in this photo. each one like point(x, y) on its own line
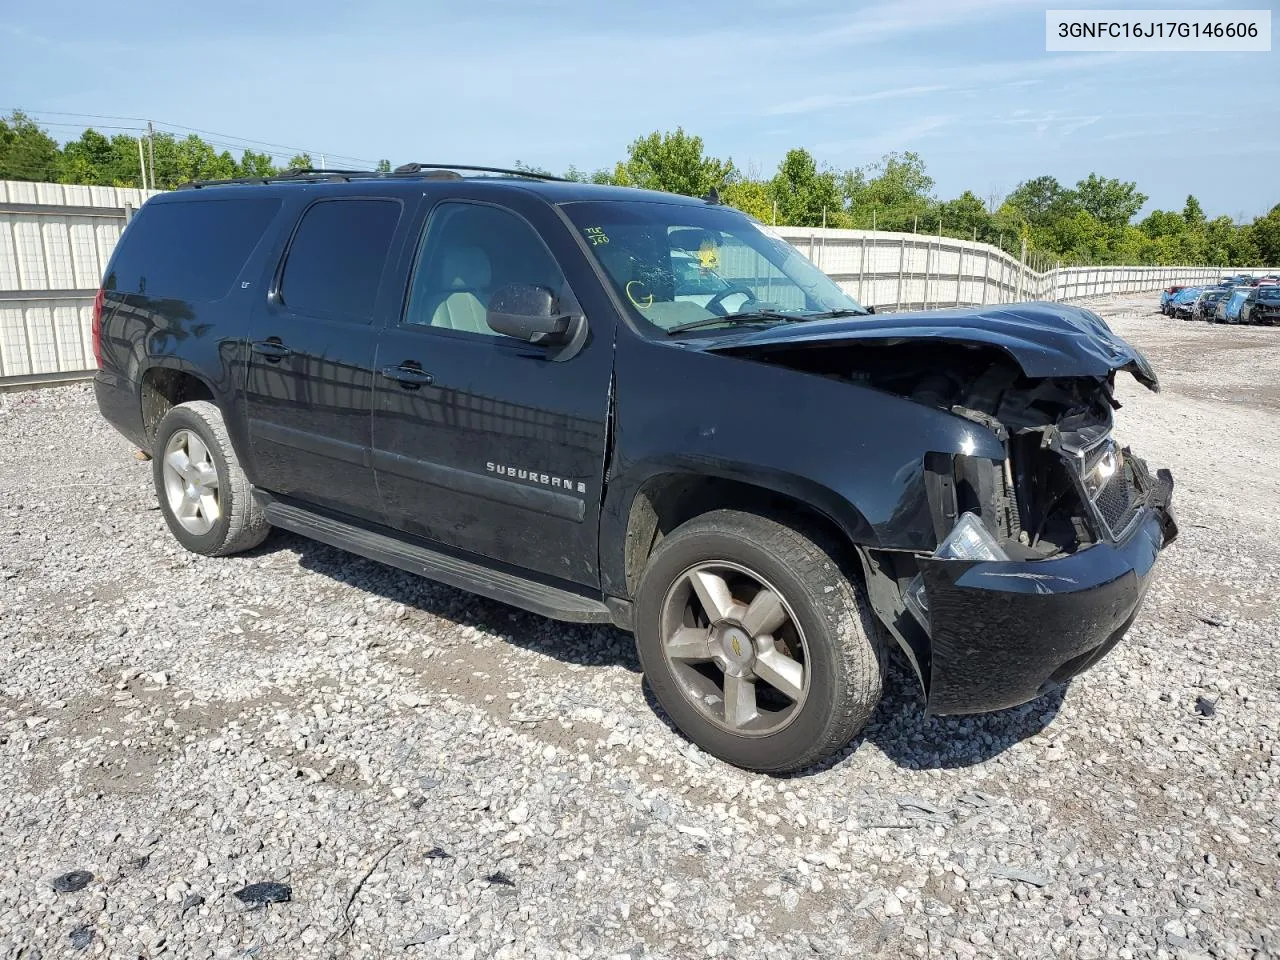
point(676, 265)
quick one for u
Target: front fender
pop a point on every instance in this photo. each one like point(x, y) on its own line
point(850, 452)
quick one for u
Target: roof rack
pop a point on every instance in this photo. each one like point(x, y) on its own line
point(328, 175)
point(305, 174)
point(412, 168)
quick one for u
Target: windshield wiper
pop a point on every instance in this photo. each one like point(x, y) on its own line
point(746, 316)
point(836, 314)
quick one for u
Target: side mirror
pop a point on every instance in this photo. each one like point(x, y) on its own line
point(871, 309)
point(530, 313)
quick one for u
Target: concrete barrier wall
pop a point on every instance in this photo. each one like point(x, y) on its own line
point(55, 241)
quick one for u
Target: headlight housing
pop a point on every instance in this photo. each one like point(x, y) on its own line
point(1101, 464)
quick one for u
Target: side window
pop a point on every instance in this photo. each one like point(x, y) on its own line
point(189, 249)
point(335, 261)
point(469, 251)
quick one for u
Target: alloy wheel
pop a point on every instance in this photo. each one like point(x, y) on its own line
point(735, 648)
point(191, 482)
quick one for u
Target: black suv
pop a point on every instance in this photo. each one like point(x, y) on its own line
point(615, 406)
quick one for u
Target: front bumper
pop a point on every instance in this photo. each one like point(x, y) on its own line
point(1004, 632)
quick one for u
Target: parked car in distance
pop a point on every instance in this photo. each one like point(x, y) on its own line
point(1183, 302)
point(566, 397)
point(1262, 305)
point(1207, 303)
point(1167, 294)
point(1229, 309)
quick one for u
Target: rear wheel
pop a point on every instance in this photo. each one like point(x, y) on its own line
point(204, 495)
point(756, 643)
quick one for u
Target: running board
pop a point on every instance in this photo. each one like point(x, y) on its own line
point(473, 577)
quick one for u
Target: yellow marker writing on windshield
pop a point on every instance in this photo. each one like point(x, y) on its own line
point(639, 296)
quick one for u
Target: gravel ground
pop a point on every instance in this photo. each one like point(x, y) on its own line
point(436, 775)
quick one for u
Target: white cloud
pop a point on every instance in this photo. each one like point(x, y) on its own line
point(878, 142)
point(829, 101)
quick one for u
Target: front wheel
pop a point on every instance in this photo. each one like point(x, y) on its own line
point(756, 643)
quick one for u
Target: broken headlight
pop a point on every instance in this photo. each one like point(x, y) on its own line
point(969, 539)
point(1101, 464)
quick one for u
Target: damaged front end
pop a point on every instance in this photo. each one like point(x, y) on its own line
point(1043, 558)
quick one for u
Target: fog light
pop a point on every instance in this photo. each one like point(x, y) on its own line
point(968, 540)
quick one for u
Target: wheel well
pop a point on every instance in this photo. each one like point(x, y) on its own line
point(665, 502)
point(163, 389)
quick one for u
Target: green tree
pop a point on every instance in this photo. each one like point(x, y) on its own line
point(675, 162)
point(892, 193)
point(26, 151)
point(253, 164)
point(965, 216)
point(602, 176)
point(1193, 213)
point(1163, 223)
point(91, 159)
point(1264, 237)
point(751, 197)
point(528, 168)
point(1112, 202)
point(300, 161)
point(1042, 201)
point(805, 194)
point(384, 166)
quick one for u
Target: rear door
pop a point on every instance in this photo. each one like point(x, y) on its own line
point(309, 387)
point(481, 442)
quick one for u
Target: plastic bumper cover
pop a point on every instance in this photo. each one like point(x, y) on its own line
point(1004, 632)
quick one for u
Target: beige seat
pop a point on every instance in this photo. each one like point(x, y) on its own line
point(465, 271)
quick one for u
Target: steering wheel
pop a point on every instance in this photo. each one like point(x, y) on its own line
point(716, 303)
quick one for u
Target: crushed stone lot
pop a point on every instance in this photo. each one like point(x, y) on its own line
point(430, 774)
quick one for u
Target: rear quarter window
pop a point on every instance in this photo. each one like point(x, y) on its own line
point(191, 249)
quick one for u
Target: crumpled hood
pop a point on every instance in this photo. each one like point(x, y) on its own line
point(1045, 339)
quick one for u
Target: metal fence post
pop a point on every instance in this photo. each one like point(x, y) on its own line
point(902, 266)
point(1022, 268)
point(862, 267)
point(960, 273)
point(986, 272)
point(928, 252)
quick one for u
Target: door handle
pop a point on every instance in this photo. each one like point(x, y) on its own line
point(271, 348)
point(408, 375)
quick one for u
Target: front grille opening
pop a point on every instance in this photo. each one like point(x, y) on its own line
point(1048, 498)
point(1119, 501)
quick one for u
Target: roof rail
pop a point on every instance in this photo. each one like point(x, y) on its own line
point(304, 174)
point(412, 168)
point(328, 175)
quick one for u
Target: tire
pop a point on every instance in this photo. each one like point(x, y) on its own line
point(827, 628)
point(238, 522)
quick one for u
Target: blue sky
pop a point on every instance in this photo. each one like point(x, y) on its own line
point(967, 85)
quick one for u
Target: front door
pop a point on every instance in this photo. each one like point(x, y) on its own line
point(481, 442)
point(309, 390)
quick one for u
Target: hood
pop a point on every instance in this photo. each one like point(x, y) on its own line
point(1044, 339)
